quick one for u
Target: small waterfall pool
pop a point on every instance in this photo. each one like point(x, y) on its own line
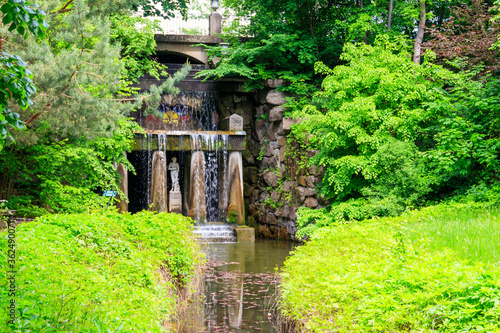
point(240, 285)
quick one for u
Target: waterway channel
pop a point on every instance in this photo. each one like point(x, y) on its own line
point(240, 285)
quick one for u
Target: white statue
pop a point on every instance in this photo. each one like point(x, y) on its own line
point(173, 167)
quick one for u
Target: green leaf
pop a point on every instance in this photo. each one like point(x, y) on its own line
point(20, 29)
point(8, 18)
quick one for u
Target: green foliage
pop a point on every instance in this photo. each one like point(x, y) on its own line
point(23, 17)
point(366, 124)
point(16, 80)
point(371, 276)
point(165, 9)
point(67, 176)
point(136, 36)
point(16, 83)
point(467, 132)
point(393, 135)
point(100, 272)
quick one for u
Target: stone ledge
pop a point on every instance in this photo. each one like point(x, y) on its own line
point(245, 234)
point(181, 140)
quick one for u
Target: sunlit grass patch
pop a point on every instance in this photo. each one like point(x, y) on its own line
point(472, 232)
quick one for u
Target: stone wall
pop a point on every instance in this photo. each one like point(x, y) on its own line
point(275, 185)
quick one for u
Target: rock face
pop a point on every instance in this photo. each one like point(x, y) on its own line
point(276, 97)
point(276, 114)
point(275, 185)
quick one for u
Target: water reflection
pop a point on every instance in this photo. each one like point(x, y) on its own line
point(240, 285)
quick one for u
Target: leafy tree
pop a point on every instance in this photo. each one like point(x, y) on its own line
point(468, 34)
point(367, 121)
point(83, 70)
point(393, 135)
point(15, 79)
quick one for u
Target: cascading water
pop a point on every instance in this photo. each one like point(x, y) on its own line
point(159, 183)
point(202, 153)
point(188, 111)
point(236, 210)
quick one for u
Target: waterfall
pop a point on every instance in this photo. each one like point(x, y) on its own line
point(236, 207)
point(188, 111)
point(196, 201)
point(159, 182)
point(210, 177)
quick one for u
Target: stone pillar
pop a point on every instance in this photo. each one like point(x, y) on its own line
point(159, 182)
point(236, 207)
point(215, 24)
point(196, 201)
point(175, 202)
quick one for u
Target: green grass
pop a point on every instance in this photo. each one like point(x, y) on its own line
point(105, 272)
point(472, 232)
point(394, 275)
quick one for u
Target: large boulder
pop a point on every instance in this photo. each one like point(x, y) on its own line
point(272, 131)
point(276, 97)
point(311, 202)
point(276, 114)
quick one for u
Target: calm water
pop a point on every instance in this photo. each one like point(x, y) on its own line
point(240, 285)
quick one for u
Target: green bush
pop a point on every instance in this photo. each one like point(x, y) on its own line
point(66, 176)
point(398, 274)
point(100, 272)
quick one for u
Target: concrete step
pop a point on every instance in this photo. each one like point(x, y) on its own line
point(215, 232)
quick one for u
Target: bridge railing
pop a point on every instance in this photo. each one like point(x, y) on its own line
point(195, 25)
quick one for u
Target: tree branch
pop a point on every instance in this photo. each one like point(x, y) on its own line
point(64, 8)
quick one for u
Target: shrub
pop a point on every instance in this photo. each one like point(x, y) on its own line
point(100, 272)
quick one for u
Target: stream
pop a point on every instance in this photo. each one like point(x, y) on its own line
point(240, 285)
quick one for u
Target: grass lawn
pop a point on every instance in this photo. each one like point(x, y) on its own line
point(431, 270)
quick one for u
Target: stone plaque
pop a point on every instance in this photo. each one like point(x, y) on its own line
point(175, 202)
point(235, 123)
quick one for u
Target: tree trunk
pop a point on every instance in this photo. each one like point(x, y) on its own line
point(389, 19)
point(367, 33)
point(441, 14)
point(420, 34)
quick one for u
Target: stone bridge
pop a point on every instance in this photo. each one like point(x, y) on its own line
point(179, 48)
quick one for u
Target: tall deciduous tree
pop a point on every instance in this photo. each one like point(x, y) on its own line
point(417, 47)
